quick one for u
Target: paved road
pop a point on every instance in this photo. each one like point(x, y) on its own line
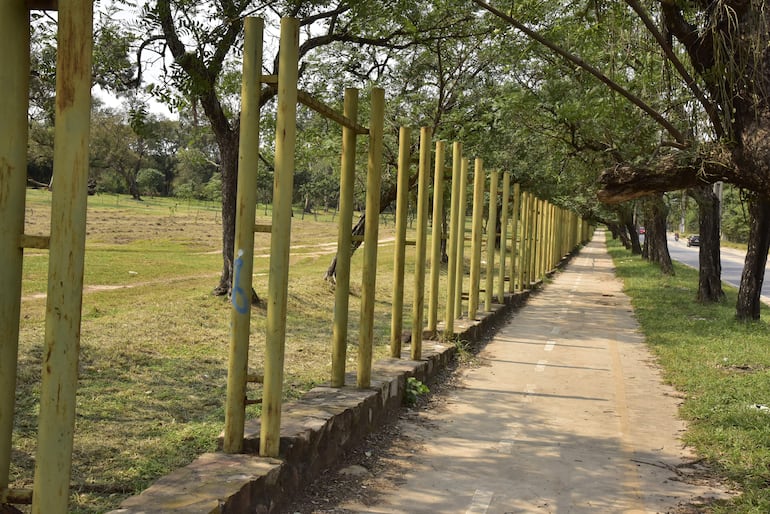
point(732, 263)
point(564, 414)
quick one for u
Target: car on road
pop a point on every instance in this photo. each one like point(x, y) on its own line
point(693, 241)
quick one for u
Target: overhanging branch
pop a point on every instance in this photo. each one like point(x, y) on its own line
point(577, 61)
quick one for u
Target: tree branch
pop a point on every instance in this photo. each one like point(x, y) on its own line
point(577, 61)
point(709, 107)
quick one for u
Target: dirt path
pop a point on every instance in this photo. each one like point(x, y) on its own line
point(564, 413)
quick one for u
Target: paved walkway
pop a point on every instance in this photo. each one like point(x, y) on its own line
point(566, 413)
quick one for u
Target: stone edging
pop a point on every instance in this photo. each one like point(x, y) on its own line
point(315, 430)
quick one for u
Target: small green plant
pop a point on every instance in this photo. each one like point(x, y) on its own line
point(414, 389)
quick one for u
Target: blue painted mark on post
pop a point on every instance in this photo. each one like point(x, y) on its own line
point(239, 298)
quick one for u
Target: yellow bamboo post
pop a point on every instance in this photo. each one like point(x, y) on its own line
point(491, 235)
point(278, 281)
point(460, 267)
point(532, 254)
point(402, 208)
point(524, 242)
point(421, 239)
point(243, 264)
point(436, 236)
point(547, 238)
point(478, 215)
point(528, 242)
point(537, 226)
point(14, 103)
point(504, 237)
point(541, 219)
point(344, 241)
point(514, 234)
point(454, 229)
point(369, 279)
point(66, 259)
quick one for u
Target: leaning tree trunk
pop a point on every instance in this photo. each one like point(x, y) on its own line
point(753, 274)
point(655, 236)
point(710, 267)
point(386, 198)
point(626, 216)
point(619, 232)
point(358, 230)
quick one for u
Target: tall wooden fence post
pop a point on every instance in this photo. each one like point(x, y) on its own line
point(371, 231)
point(344, 242)
point(504, 237)
point(460, 270)
point(526, 240)
point(478, 215)
point(436, 236)
point(491, 236)
point(14, 104)
point(402, 209)
point(515, 248)
point(454, 229)
point(278, 281)
point(58, 385)
point(243, 265)
point(420, 250)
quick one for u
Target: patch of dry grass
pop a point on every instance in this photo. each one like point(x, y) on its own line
point(154, 343)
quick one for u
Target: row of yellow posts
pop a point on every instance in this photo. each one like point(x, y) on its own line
point(541, 234)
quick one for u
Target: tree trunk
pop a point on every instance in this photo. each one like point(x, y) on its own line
point(386, 198)
point(710, 268)
point(619, 232)
point(358, 230)
point(655, 241)
point(747, 308)
point(133, 188)
point(626, 216)
point(228, 155)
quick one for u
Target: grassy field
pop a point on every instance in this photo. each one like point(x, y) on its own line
point(154, 341)
point(722, 366)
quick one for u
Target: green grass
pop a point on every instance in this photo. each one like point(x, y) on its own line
point(722, 366)
point(154, 342)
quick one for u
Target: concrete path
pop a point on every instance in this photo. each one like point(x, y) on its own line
point(565, 413)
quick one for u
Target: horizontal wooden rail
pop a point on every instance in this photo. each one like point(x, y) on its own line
point(39, 242)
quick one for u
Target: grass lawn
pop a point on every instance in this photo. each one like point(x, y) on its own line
point(155, 342)
point(721, 365)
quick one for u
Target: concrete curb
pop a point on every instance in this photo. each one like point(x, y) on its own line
point(315, 430)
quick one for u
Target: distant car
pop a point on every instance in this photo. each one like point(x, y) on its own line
point(693, 241)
